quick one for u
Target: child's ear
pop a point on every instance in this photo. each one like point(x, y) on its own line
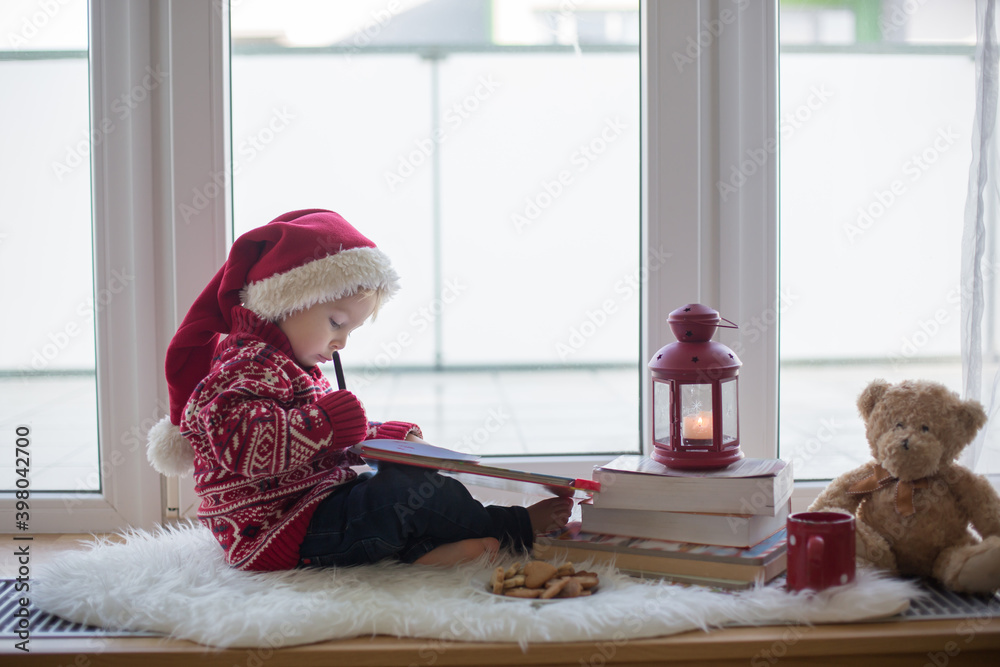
point(870, 397)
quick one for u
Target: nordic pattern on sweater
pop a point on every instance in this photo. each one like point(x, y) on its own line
point(270, 442)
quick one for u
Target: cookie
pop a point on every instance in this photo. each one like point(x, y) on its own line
point(537, 572)
point(522, 592)
point(496, 581)
point(539, 579)
point(553, 588)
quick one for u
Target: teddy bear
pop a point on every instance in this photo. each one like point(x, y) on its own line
point(914, 504)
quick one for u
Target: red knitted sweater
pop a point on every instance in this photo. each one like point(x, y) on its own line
point(270, 440)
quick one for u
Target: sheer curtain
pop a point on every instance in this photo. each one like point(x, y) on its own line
point(979, 262)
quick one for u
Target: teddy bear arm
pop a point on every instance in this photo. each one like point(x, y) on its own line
point(873, 548)
point(835, 495)
point(977, 497)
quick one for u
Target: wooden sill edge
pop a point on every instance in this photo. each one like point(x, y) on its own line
point(764, 645)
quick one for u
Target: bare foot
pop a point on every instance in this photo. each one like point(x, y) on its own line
point(549, 514)
point(462, 551)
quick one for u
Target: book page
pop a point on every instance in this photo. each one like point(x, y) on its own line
point(742, 468)
point(414, 449)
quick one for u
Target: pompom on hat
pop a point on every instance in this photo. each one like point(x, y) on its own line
point(292, 263)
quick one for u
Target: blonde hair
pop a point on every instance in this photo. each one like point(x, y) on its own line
point(379, 296)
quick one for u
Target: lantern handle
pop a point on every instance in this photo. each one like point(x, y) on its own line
point(733, 325)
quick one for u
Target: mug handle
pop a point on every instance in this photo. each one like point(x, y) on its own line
point(814, 556)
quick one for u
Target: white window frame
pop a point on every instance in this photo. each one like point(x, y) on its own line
point(122, 223)
point(702, 115)
point(700, 118)
point(709, 103)
point(710, 110)
point(157, 154)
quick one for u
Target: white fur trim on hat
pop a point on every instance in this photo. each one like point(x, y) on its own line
point(324, 279)
point(168, 451)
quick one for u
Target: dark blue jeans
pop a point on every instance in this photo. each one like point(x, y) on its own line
point(403, 512)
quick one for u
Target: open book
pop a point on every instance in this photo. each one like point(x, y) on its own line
point(467, 467)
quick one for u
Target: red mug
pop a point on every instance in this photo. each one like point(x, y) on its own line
point(820, 550)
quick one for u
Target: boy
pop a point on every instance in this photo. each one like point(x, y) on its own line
point(267, 437)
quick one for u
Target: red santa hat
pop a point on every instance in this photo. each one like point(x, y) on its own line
point(295, 261)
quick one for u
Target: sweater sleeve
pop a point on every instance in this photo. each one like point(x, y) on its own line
point(241, 411)
point(392, 430)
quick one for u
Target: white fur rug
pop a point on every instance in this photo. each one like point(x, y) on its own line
point(174, 581)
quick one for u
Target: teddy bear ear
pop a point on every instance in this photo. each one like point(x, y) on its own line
point(872, 394)
point(971, 417)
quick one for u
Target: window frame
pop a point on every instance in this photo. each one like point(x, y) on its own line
point(123, 226)
point(710, 99)
point(707, 109)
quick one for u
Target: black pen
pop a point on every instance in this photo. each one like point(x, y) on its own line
point(339, 370)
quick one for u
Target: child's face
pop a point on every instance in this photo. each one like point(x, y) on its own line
point(317, 332)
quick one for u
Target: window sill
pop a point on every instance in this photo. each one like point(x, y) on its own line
point(859, 644)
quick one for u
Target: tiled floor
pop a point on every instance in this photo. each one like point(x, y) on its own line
point(488, 412)
point(821, 432)
point(61, 412)
point(515, 412)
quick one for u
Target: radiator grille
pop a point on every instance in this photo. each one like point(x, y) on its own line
point(942, 603)
point(43, 624)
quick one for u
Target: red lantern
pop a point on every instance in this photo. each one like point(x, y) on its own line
point(696, 394)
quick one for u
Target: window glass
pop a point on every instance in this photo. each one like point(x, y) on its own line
point(492, 150)
point(47, 359)
point(876, 108)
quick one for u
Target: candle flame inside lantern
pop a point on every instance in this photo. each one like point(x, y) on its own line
point(698, 427)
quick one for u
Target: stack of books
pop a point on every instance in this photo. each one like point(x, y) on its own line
point(723, 528)
point(683, 562)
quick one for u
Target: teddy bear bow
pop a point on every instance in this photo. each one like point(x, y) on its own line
point(881, 477)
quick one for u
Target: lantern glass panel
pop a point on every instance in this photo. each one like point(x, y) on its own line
point(662, 398)
point(730, 411)
point(696, 415)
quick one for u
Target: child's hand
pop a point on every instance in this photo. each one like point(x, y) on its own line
point(413, 437)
